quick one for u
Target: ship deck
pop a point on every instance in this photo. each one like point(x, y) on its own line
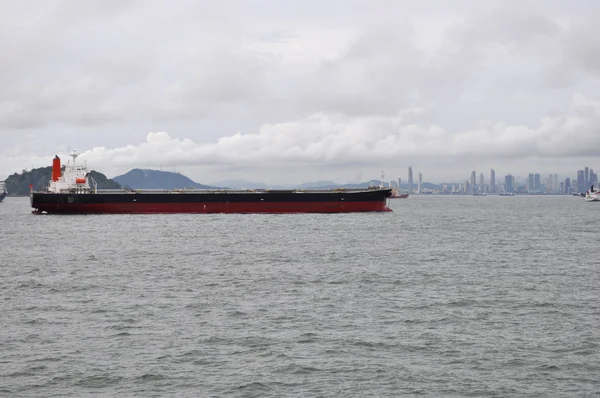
point(214, 191)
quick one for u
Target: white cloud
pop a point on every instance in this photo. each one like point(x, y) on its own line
point(324, 141)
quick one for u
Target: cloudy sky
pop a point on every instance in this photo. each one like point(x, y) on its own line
point(282, 91)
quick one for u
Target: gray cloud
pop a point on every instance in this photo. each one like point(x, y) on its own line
point(311, 89)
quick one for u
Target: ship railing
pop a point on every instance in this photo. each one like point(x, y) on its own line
point(78, 191)
point(95, 190)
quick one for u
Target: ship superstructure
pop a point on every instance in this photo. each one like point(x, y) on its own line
point(74, 178)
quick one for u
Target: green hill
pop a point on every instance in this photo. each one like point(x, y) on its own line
point(157, 179)
point(18, 184)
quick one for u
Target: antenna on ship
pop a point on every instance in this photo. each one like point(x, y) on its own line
point(382, 178)
point(74, 153)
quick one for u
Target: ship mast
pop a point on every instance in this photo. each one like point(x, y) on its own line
point(74, 155)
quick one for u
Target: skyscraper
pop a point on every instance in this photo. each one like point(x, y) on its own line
point(509, 183)
point(481, 182)
point(587, 178)
point(419, 183)
point(492, 181)
point(530, 183)
point(581, 185)
point(538, 182)
point(410, 180)
point(568, 186)
point(473, 181)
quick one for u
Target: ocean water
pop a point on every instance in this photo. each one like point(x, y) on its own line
point(446, 296)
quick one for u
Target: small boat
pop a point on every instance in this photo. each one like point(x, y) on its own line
point(397, 195)
point(3, 191)
point(592, 195)
point(507, 194)
point(480, 194)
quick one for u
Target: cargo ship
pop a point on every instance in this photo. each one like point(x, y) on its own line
point(74, 191)
point(3, 191)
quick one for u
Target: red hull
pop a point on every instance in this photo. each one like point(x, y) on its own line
point(258, 207)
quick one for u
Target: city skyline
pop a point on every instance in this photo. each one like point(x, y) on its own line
point(535, 183)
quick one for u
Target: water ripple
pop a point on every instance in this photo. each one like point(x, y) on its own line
point(453, 296)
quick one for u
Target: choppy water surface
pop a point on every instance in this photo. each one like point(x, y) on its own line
point(446, 296)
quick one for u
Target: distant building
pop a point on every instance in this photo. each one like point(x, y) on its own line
point(568, 189)
point(410, 180)
point(530, 183)
point(538, 182)
point(492, 181)
point(473, 181)
point(509, 183)
point(581, 185)
point(419, 183)
point(587, 178)
point(481, 187)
